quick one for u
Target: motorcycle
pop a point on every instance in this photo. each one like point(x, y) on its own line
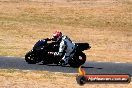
point(39, 53)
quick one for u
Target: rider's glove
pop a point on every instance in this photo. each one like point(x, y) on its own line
point(48, 39)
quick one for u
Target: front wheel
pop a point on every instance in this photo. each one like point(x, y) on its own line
point(78, 59)
point(30, 58)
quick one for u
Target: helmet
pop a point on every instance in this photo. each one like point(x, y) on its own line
point(57, 35)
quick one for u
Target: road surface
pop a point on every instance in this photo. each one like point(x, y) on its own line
point(89, 67)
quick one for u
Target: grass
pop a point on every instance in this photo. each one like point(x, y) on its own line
point(106, 25)
point(34, 79)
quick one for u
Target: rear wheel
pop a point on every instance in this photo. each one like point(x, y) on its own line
point(30, 58)
point(78, 59)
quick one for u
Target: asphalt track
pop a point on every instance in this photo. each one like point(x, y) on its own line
point(89, 67)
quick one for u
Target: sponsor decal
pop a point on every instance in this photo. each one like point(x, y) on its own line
point(83, 78)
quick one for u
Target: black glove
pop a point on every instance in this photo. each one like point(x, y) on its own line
point(49, 39)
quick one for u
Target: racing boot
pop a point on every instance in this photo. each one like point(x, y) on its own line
point(63, 62)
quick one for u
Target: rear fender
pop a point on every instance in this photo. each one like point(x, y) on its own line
point(83, 46)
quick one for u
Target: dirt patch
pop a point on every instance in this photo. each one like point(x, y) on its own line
point(40, 79)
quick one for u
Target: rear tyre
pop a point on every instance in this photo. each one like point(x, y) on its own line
point(78, 59)
point(30, 58)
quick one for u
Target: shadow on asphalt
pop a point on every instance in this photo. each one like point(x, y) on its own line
point(90, 67)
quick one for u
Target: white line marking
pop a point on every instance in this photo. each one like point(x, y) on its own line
point(9, 56)
point(110, 62)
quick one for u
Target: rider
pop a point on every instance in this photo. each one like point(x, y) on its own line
point(66, 46)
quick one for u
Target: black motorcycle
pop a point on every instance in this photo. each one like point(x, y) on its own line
point(39, 53)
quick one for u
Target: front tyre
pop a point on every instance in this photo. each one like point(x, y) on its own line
point(78, 59)
point(30, 58)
